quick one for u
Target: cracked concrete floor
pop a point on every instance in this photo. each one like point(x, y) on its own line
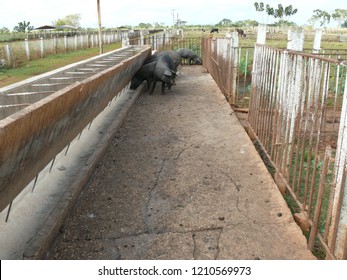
point(181, 180)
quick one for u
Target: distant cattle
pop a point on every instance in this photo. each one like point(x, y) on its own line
point(241, 32)
point(213, 30)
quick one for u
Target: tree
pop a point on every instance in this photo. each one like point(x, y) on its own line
point(145, 25)
point(180, 23)
point(225, 22)
point(289, 11)
point(73, 20)
point(284, 12)
point(283, 22)
point(250, 22)
point(279, 12)
point(269, 10)
point(23, 27)
point(340, 16)
point(245, 23)
point(259, 7)
point(4, 30)
point(319, 15)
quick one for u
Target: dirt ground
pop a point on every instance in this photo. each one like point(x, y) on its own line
point(181, 180)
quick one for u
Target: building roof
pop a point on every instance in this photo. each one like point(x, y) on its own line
point(48, 27)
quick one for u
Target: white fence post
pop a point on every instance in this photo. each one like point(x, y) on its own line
point(142, 38)
point(82, 41)
point(76, 42)
point(27, 50)
point(235, 64)
point(65, 43)
point(42, 48)
point(317, 40)
point(55, 46)
point(261, 36)
point(339, 221)
point(295, 40)
point(8, 53)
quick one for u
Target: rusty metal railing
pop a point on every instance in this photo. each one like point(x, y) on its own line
point(295, 114)
point(231, 68)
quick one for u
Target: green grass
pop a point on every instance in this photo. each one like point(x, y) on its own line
point(35, 67)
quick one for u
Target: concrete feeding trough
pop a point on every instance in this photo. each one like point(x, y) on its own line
point(40, 116)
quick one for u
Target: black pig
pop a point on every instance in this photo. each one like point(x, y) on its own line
point(190, 55)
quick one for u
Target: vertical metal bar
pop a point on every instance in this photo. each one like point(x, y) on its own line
point(50, 169)
point(329, 212)
point(320, 197)
point(90, 124)
point(8, 211)
point(319, 127)
point(32, 190)
point(79, 136)
point(67, 148)
point(275, 115)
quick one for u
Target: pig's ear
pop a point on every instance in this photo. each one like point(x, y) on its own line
point(168, 73)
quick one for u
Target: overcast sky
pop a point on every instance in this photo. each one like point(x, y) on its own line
point(115, 13)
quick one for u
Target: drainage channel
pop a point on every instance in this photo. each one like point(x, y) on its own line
point(20, 95)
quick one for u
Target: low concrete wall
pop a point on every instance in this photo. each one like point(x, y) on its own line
point(31, 137)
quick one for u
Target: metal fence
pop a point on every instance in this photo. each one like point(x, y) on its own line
point(166, 41)
point(295, 113)
point(295, 117)
point(17, 52)
point(231, 68)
